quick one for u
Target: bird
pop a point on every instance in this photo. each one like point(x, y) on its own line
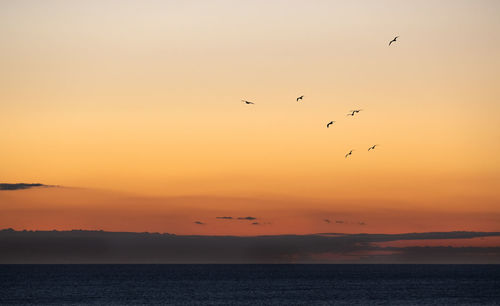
point(393, 40)
point(300, 98)
point(330, 123)
point(354, 111)
point(372, 147)
point(247, 102)
point(350, 153)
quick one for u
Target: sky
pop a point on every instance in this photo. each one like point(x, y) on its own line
point(132, 111)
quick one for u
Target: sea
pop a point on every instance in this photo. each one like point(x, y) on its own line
point(255, 284)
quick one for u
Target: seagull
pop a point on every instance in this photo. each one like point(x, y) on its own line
point(300, 98)
point(393, 40)
point(372, 147)
point(330, 123)
point(350, 153)
point(354, 111)
point(247, 102)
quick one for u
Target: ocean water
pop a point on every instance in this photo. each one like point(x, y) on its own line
point(250, 284)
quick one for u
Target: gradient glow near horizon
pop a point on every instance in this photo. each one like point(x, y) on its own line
point(137, 103)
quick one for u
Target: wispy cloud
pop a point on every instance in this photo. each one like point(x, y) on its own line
point(247, 218)
point(239, 218)
point(22, 186)
point(199, 223)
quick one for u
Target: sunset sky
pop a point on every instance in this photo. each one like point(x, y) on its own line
point(132, 109)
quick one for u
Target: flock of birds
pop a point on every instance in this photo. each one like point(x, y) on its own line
point(351, 112)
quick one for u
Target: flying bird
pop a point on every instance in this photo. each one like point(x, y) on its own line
point(327, 221)
point(393, 40)
point(372, 147)
point(330, 123)
point(300, 98)
point(354, 111)
point(247, 102)
point(350, 153)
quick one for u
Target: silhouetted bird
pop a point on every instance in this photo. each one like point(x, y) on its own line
point(393, 40)
point(247, 102)
point(300, 98)
point(350, 153)
point(354, 111)
point(372, 147)
point(330, 123)
point(326, 220)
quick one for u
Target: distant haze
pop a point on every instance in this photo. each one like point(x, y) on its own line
point(107, 247)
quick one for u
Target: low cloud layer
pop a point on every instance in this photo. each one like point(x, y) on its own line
point(21, 186)
point(110, 247)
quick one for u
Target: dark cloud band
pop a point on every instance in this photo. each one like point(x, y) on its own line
point(21, 186)
point(95, 247)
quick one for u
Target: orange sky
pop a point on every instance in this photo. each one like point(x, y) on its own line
point(137, 104)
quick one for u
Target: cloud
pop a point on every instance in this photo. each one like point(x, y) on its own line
point(21, 186)
point(110, 247)
point(247, 218)
point(199, 223)
point(326, 220)
point(255, 223)
point(239, 218)
point(362, 223)
point(339, 221)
